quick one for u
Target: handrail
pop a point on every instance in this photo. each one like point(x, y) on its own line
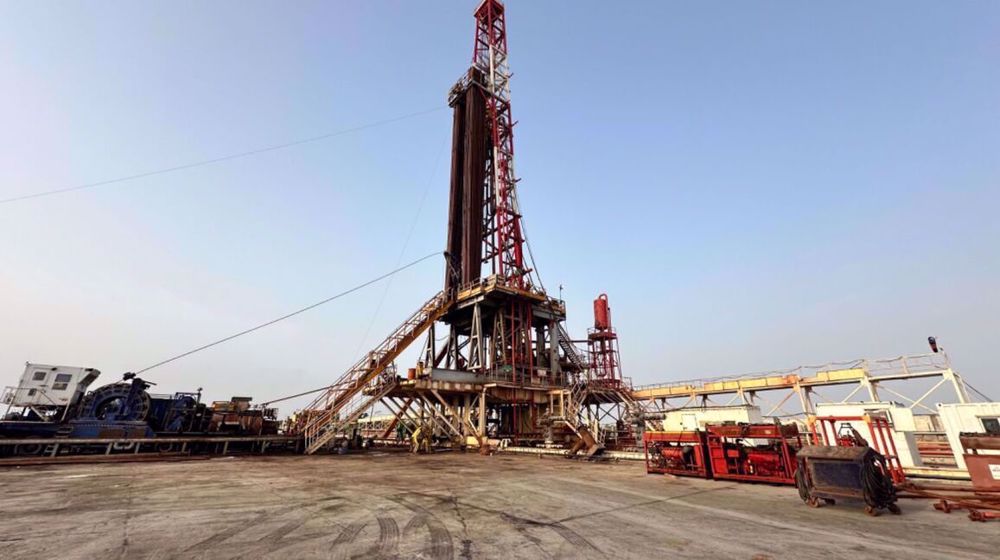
point(918, 363)
point(338, 403)
point(571, 351)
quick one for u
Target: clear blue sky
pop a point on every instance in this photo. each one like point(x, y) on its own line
point(756, 185)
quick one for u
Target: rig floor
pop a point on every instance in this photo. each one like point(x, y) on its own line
point(447, 505)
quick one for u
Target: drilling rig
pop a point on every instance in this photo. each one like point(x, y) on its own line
point(507, 370)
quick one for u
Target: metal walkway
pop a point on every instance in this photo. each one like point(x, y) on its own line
point(870, 376)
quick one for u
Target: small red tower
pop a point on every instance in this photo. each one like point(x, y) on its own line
point(602, 340)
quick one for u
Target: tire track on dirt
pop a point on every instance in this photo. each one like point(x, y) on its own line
point(346, 537)
point(522, 524)
point(442, 544)
point(388, 540)
point(236, 528)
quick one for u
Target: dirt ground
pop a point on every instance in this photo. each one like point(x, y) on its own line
point(444, 506)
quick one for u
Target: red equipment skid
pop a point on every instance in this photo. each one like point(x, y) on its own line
point(734, 458)
point(678, 453)
point(825, 431)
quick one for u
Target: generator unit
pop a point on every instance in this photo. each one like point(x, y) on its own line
point(754, 452)
point(237, 416)
point(745, 452)
point(678, 453)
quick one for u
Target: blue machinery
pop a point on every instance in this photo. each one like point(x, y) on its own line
point(123, 417)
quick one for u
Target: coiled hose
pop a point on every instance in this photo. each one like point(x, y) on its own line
point(800, 481)
point(879, 490)
point(876, 483)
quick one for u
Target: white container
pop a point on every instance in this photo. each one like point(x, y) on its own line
point(967, 417)
point(52, 386)
point(690, 419)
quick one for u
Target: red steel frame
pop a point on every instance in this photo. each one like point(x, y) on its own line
point(720, 452)
point(503, 239)
point(981, 465)
point(732, 459)
point(505, 249)
point(824, 432)
point(602, 343)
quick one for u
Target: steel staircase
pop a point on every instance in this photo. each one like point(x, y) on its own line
point(344, 401)
point(591, 440)
point(572, 407)
point(572, 353)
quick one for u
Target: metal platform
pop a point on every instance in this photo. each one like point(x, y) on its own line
point(54, 450)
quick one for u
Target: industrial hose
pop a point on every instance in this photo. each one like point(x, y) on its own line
point(879, 490)
point(800, 481)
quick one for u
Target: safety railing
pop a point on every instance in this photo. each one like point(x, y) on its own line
point(339, 403)
point(575, 356)
point(916, 364)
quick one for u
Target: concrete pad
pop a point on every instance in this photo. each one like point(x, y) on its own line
point(444, 506)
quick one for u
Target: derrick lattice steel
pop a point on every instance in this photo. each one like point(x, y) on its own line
point(504, 238)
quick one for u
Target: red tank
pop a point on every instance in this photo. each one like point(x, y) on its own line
point(602, 313)
point(674, 455)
